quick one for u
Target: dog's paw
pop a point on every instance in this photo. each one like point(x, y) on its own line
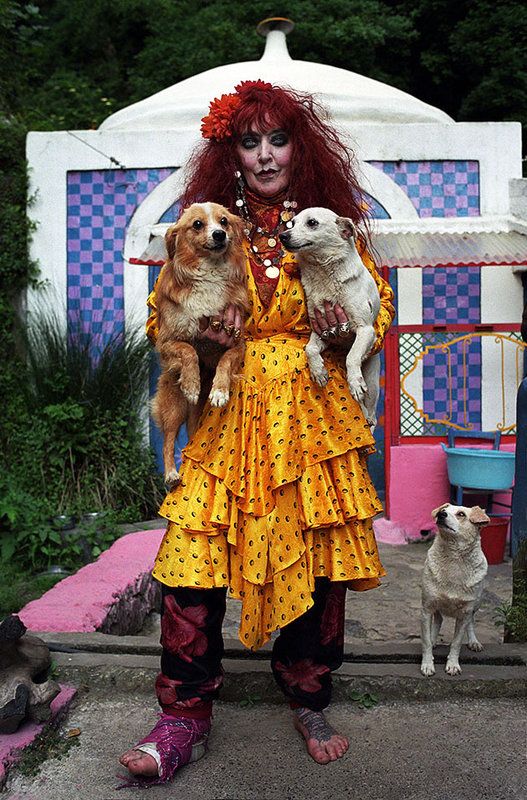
point(453, 668)
point(317, 368)
point(427, 668)
point(172, 478)
point(320, 376)
point(218, 397)
point(475, 645)
point(357, 386)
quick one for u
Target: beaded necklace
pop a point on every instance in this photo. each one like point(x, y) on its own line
point(266, 248)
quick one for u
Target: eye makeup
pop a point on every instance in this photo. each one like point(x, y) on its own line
point(277, 138)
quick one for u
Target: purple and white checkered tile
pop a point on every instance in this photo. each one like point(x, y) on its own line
point(452, 381)
point(437, 188)
point(451, 295)
point(100, 206)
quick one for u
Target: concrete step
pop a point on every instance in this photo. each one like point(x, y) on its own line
point(102, 671)
point(394, 652)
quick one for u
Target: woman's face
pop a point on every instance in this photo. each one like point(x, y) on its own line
point(265, 159)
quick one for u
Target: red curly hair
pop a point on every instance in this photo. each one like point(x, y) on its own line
point(322, 169)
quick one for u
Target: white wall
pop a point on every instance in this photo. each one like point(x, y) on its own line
point(497, 146)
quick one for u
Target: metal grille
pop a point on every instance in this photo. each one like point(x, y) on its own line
point(447, 367)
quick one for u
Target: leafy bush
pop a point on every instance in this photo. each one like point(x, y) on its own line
point(75, 434)
point(513, 617)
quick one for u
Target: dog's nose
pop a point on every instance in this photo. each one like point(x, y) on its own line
point(284, 237)
point(442, 514)
point(219, 236)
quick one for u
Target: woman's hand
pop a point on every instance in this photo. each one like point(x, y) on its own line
point(332, 325)
point(225, 329)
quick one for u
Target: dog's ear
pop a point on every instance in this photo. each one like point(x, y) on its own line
point(346, 228)
point(170, 240)
point(238, 226)
point(477, 516)
point(436, 511)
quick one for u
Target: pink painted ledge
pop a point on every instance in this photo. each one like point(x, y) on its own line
point(101, 596)
point(87, 600)
point(12, 745)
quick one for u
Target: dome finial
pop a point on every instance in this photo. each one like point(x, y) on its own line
point(275, 30)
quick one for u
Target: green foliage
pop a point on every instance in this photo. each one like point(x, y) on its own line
point(364, 699)
point(20, 26)
point(250, 700)
point(50, 744)
point(74, 441)
point(79, 61)
point(470, 59)
point(16, 269)
point(346, 33)
point(513, 617)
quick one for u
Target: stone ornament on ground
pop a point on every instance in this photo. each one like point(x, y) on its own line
point(24, 659)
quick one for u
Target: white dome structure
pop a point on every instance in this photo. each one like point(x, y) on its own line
point(348, 96)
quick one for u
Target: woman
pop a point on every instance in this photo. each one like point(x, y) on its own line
point(276, 502)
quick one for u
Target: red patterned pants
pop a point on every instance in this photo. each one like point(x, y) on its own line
point(304, 654)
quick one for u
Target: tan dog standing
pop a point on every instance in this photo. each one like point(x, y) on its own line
point(204, 273)
point(452, 586)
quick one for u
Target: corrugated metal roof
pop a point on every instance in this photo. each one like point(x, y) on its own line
point(473, 249)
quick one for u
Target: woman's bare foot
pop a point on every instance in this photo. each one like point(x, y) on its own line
point(139, 763)
point(323, 742)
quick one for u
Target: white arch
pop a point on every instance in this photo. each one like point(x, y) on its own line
point(383, 189)
point(380, 186)
point(136, 240)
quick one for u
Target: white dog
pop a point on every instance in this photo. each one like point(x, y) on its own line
point(331, 269)
point(453, 576)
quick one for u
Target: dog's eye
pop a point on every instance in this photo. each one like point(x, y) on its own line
point(224, 221)
point(461, 514)
point(312, 223)
point(197, 224)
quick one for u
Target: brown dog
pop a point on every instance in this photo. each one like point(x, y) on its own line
point(204, 272)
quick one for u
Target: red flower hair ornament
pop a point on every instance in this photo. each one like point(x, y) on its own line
point(217, 124)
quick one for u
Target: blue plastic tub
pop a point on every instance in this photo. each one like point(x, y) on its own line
point(477, 468)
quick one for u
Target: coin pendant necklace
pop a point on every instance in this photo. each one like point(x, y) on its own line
point(271, 260)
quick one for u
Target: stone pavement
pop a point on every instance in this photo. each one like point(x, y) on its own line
point(452, 750)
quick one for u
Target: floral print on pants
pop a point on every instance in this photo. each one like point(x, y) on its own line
point(304, 654)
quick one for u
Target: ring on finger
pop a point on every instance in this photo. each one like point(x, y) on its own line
point(229, 329)
point(237, 332)
point(343, 328)
point(215, 325)
point(333, 332)
point(325, 334)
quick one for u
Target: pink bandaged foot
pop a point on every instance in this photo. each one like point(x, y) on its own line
point(178, 741)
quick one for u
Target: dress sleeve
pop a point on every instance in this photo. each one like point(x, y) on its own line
point(387, 310)
point(152, 325)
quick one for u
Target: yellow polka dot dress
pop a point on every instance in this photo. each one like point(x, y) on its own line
point(275, 491)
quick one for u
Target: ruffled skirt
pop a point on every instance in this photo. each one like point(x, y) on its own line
point(275, 493)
